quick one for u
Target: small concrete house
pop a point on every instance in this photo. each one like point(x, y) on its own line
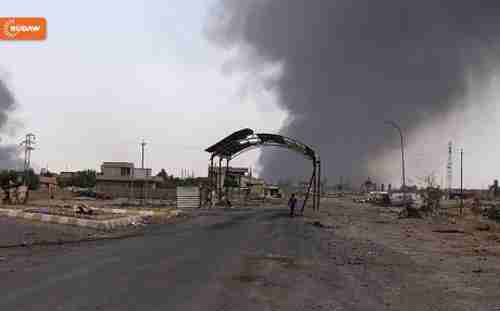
point(122, 179)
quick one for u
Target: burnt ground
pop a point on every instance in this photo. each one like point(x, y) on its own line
point(357, 258)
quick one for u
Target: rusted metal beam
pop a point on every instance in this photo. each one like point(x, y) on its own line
point(307, 193)
point(219, 182)
point(314, 185)
point(318, 190)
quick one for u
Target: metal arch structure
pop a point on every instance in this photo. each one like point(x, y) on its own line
point(246, 139)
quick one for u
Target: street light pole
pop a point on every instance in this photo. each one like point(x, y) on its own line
point(461, 181)
point(396, 126)
point(144, 184)
point(143, 144)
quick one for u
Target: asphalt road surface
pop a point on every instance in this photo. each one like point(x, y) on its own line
point(250, 259)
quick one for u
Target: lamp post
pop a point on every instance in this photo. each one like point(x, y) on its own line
point(396, 126)
point(461, 181)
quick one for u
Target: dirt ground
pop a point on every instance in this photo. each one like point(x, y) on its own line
point(450, 262)
point(347, 256)
point(18, 231)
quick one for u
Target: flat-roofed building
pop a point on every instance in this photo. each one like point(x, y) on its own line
point(122, 179)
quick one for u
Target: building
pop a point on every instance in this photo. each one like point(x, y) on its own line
point(271, 191)
point(242, 179)
point(237, 176)
point(122, 179)
point(48, 184)
point(368, 186)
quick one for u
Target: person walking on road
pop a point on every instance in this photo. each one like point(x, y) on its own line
point(291, 204)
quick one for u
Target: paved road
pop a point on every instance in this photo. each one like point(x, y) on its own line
point(254, 259)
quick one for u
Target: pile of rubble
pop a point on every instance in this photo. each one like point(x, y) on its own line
point(82, 208)
point(14, 195)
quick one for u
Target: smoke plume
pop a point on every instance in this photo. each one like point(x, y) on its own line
point(349, 65)
point(9, 157)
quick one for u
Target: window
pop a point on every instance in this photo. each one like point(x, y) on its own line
point(125, 171)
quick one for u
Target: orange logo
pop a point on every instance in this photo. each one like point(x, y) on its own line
point(23, 28)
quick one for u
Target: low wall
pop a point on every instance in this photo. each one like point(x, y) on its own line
point(125, 190)
point(43, 194)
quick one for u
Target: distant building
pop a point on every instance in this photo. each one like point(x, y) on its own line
point(238, 175)
point(122, 179)
point(47, 182)
point(272, 191)
point(368, 186)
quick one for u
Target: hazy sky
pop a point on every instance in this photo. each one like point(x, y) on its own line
point(114, 72)
point(349, 65)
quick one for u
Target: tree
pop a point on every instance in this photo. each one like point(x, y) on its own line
point(32, 180)
point(82, 179)
point(230, 182)
point(47, 173)
point(85, 179)
point(431, 193)
point(10, 178)
point(163, 174)
point(7, 176)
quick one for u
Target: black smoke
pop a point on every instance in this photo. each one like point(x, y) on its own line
point(9, 154)
point(348, 65)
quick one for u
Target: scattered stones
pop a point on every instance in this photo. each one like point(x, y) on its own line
point(482, 227)
point(319, 224)
point(448, 231)
point(493, 237)
point(82, 208)
point(410, 212)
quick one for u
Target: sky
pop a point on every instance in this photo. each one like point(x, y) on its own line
point(112, 73)
point(347, 66)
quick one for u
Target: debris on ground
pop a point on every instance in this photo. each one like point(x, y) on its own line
point(319, 224)
point(482, 227)
point(493, 237)
point(449, 231)
point(82, 208)
point(447, 245)
point(146, 220)
point(410, 212)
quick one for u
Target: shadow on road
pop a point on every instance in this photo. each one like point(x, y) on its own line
point(279, 214)
point(234, 221)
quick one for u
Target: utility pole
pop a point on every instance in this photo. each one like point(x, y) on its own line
point(27, 143)
point(461, 182)
point(143, 144)
point(449, 169)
